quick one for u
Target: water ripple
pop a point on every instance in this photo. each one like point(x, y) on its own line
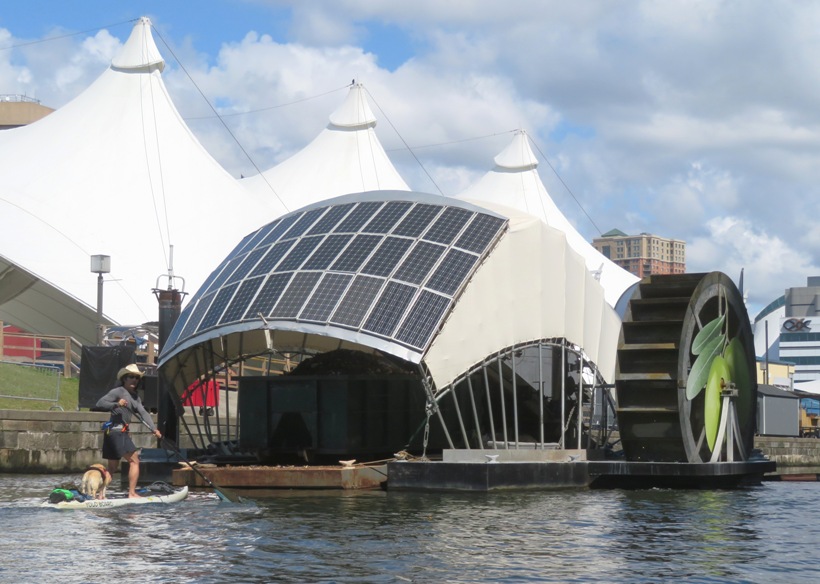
point(765, 534)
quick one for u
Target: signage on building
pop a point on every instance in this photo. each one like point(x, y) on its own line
point(796, 325)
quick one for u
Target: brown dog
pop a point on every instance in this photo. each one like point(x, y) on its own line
point(95, 480)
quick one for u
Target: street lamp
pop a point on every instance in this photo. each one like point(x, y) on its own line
point(100, 264)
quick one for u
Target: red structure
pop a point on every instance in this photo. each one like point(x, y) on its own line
point(19, 343)
point(202, 394)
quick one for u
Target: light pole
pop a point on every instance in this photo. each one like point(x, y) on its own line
point(100, 264)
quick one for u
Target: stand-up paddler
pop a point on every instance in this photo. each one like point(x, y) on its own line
point(123, 402)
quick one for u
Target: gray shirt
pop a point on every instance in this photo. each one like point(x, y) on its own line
point(123, 414)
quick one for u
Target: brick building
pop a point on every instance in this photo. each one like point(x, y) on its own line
point(643, 254)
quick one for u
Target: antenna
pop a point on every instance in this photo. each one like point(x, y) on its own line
point(170, 275)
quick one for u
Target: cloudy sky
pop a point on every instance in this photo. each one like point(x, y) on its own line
point(694, 120)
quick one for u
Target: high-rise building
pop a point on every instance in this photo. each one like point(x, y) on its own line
point(799, 344)
point(643, 254)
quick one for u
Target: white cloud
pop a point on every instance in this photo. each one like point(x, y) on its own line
point(770, 264)
point(685, 203)
point(416, 105)
point(57, 70)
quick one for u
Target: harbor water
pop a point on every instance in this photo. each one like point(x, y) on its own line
point(767, 533)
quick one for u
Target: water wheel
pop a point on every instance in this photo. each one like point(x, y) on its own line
point(675, 328)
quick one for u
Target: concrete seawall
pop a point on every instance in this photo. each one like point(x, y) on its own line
point(790, 452)
point(56, 442)
point(67, 442)
point(46, 441)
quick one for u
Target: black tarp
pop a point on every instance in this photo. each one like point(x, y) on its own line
point(98, 371)
point(150, 393)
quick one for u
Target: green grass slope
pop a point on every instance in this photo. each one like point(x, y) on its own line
point(34, 388)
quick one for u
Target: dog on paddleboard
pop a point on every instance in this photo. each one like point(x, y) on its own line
point(95, 480)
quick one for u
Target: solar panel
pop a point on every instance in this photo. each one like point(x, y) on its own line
point(448, 225)
point(272, 257)
point(247, 264)
point(303, 224)
point(327, 252)
point(452, 272)
point(295, 295)
point(252, 241)
point(194, 319)
point(239, 303)
point(218, 306)
point(387, 217)
point(417, 220)
point(249, 241)
point(423, 319)
point(387, 256)
point(480, 233)
point(357, 301)
point(359, 216)
point(296, 257)
point(391, 268)
point(390, 308)
point(181, 322)
point(419, 262)
point(217, 282)
point(356, 253)
point(206, 286)
point(281, 227)
point(326, 297)
point(269, 295)
point(330, 219)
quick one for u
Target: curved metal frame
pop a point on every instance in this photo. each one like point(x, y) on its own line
point(473, 432)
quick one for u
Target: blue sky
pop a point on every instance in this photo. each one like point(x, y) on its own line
point(692, 120)
point(207, 27)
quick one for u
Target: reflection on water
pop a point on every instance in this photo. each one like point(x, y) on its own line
point(763, 534)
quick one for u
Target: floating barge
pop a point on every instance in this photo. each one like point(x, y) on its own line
point(484, 471)
point(457, 472)
point(361, 477)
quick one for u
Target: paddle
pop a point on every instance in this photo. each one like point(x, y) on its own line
point(220, 492)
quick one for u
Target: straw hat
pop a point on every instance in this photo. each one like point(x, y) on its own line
point(131, 369)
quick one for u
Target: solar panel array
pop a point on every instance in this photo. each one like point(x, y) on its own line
point(388, 268)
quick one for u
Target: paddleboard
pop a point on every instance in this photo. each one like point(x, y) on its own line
point(122, 500)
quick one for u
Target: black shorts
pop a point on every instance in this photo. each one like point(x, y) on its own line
point(117, 445)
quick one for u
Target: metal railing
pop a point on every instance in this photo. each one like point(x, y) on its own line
point(17, 98)
point(64, 353)
point(44, 385)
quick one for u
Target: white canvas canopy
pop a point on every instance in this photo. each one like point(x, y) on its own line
point(533, 285)
point(117, 172)
point(39, 307)
point(515, 182)
point(346, 157)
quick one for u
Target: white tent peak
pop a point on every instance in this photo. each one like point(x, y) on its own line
point(355, 112)
point(120, 147)
point(346, 157)
point(515, 182)
point(140, 51)
point(517, 155)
